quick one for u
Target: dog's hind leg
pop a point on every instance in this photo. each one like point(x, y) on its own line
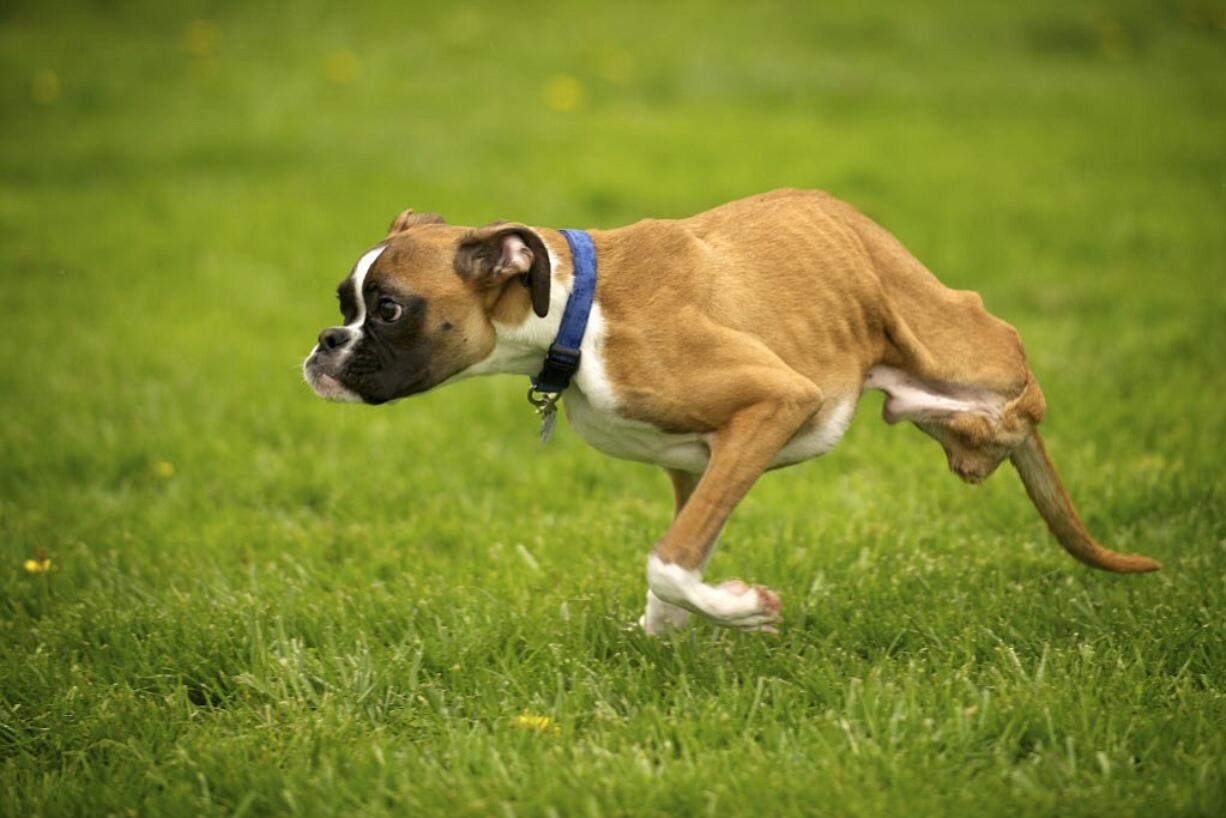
point(978, 429)
point(969, 422)
point(920, 400)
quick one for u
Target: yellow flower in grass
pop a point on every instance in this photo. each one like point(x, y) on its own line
point(200, 38)
point(41, 565)
point(564, 93)
point(342, 67)
point(541, 724)
point(164, 469)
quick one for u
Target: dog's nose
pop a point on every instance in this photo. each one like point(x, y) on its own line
point(333, 337)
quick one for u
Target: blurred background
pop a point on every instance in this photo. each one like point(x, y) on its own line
point(182, 185)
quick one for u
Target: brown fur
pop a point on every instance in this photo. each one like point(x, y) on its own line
point(408, 219)
point(742, 322)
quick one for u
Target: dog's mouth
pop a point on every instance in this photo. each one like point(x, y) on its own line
point(358, 375)
point(325, 384)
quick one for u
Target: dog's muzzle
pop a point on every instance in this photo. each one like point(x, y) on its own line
point(322, 367)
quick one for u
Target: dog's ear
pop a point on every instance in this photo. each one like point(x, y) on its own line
point(493, 254)
point(408, 218)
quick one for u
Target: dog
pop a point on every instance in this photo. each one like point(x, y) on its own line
point(716, 347)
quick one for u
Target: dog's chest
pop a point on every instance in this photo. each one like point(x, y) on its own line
point(617, 436)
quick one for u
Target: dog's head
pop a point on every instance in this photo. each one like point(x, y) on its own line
point(420, 307)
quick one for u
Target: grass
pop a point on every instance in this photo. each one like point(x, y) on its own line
point(260, 603)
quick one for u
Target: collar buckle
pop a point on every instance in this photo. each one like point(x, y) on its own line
point(560, 365)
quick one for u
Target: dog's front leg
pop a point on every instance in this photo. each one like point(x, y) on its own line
point(660, 617)
point(740, 451)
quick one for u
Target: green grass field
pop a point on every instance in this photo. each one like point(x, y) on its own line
point(260, 603)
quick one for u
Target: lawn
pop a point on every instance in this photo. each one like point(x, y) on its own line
point(260, 603)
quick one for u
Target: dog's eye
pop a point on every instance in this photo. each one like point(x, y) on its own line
point(388, 310)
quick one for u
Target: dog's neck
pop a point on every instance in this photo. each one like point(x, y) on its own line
point(520, 348)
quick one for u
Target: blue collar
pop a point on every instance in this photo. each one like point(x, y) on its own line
point(562, 360)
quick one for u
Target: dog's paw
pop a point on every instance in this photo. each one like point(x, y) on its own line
point(752, 608)
point(733, 604)
point(660, 617)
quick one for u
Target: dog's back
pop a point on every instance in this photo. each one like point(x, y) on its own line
point(826, 289)
point(839, 300)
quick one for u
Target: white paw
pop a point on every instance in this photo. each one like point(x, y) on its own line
point(733, 604)
point(659, 617)
point(756, 607)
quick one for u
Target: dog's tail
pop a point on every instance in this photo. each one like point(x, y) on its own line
point(1049, 497)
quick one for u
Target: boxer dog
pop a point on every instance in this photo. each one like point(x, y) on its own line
point(716, 347)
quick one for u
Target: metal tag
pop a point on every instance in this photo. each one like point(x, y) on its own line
point(546, 405)
point(549, 417)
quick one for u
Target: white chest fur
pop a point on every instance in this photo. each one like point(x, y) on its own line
point(592, 409)
point(627, 439)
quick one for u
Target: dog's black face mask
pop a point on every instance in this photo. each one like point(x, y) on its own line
point(391, 358)
point(382, 351)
